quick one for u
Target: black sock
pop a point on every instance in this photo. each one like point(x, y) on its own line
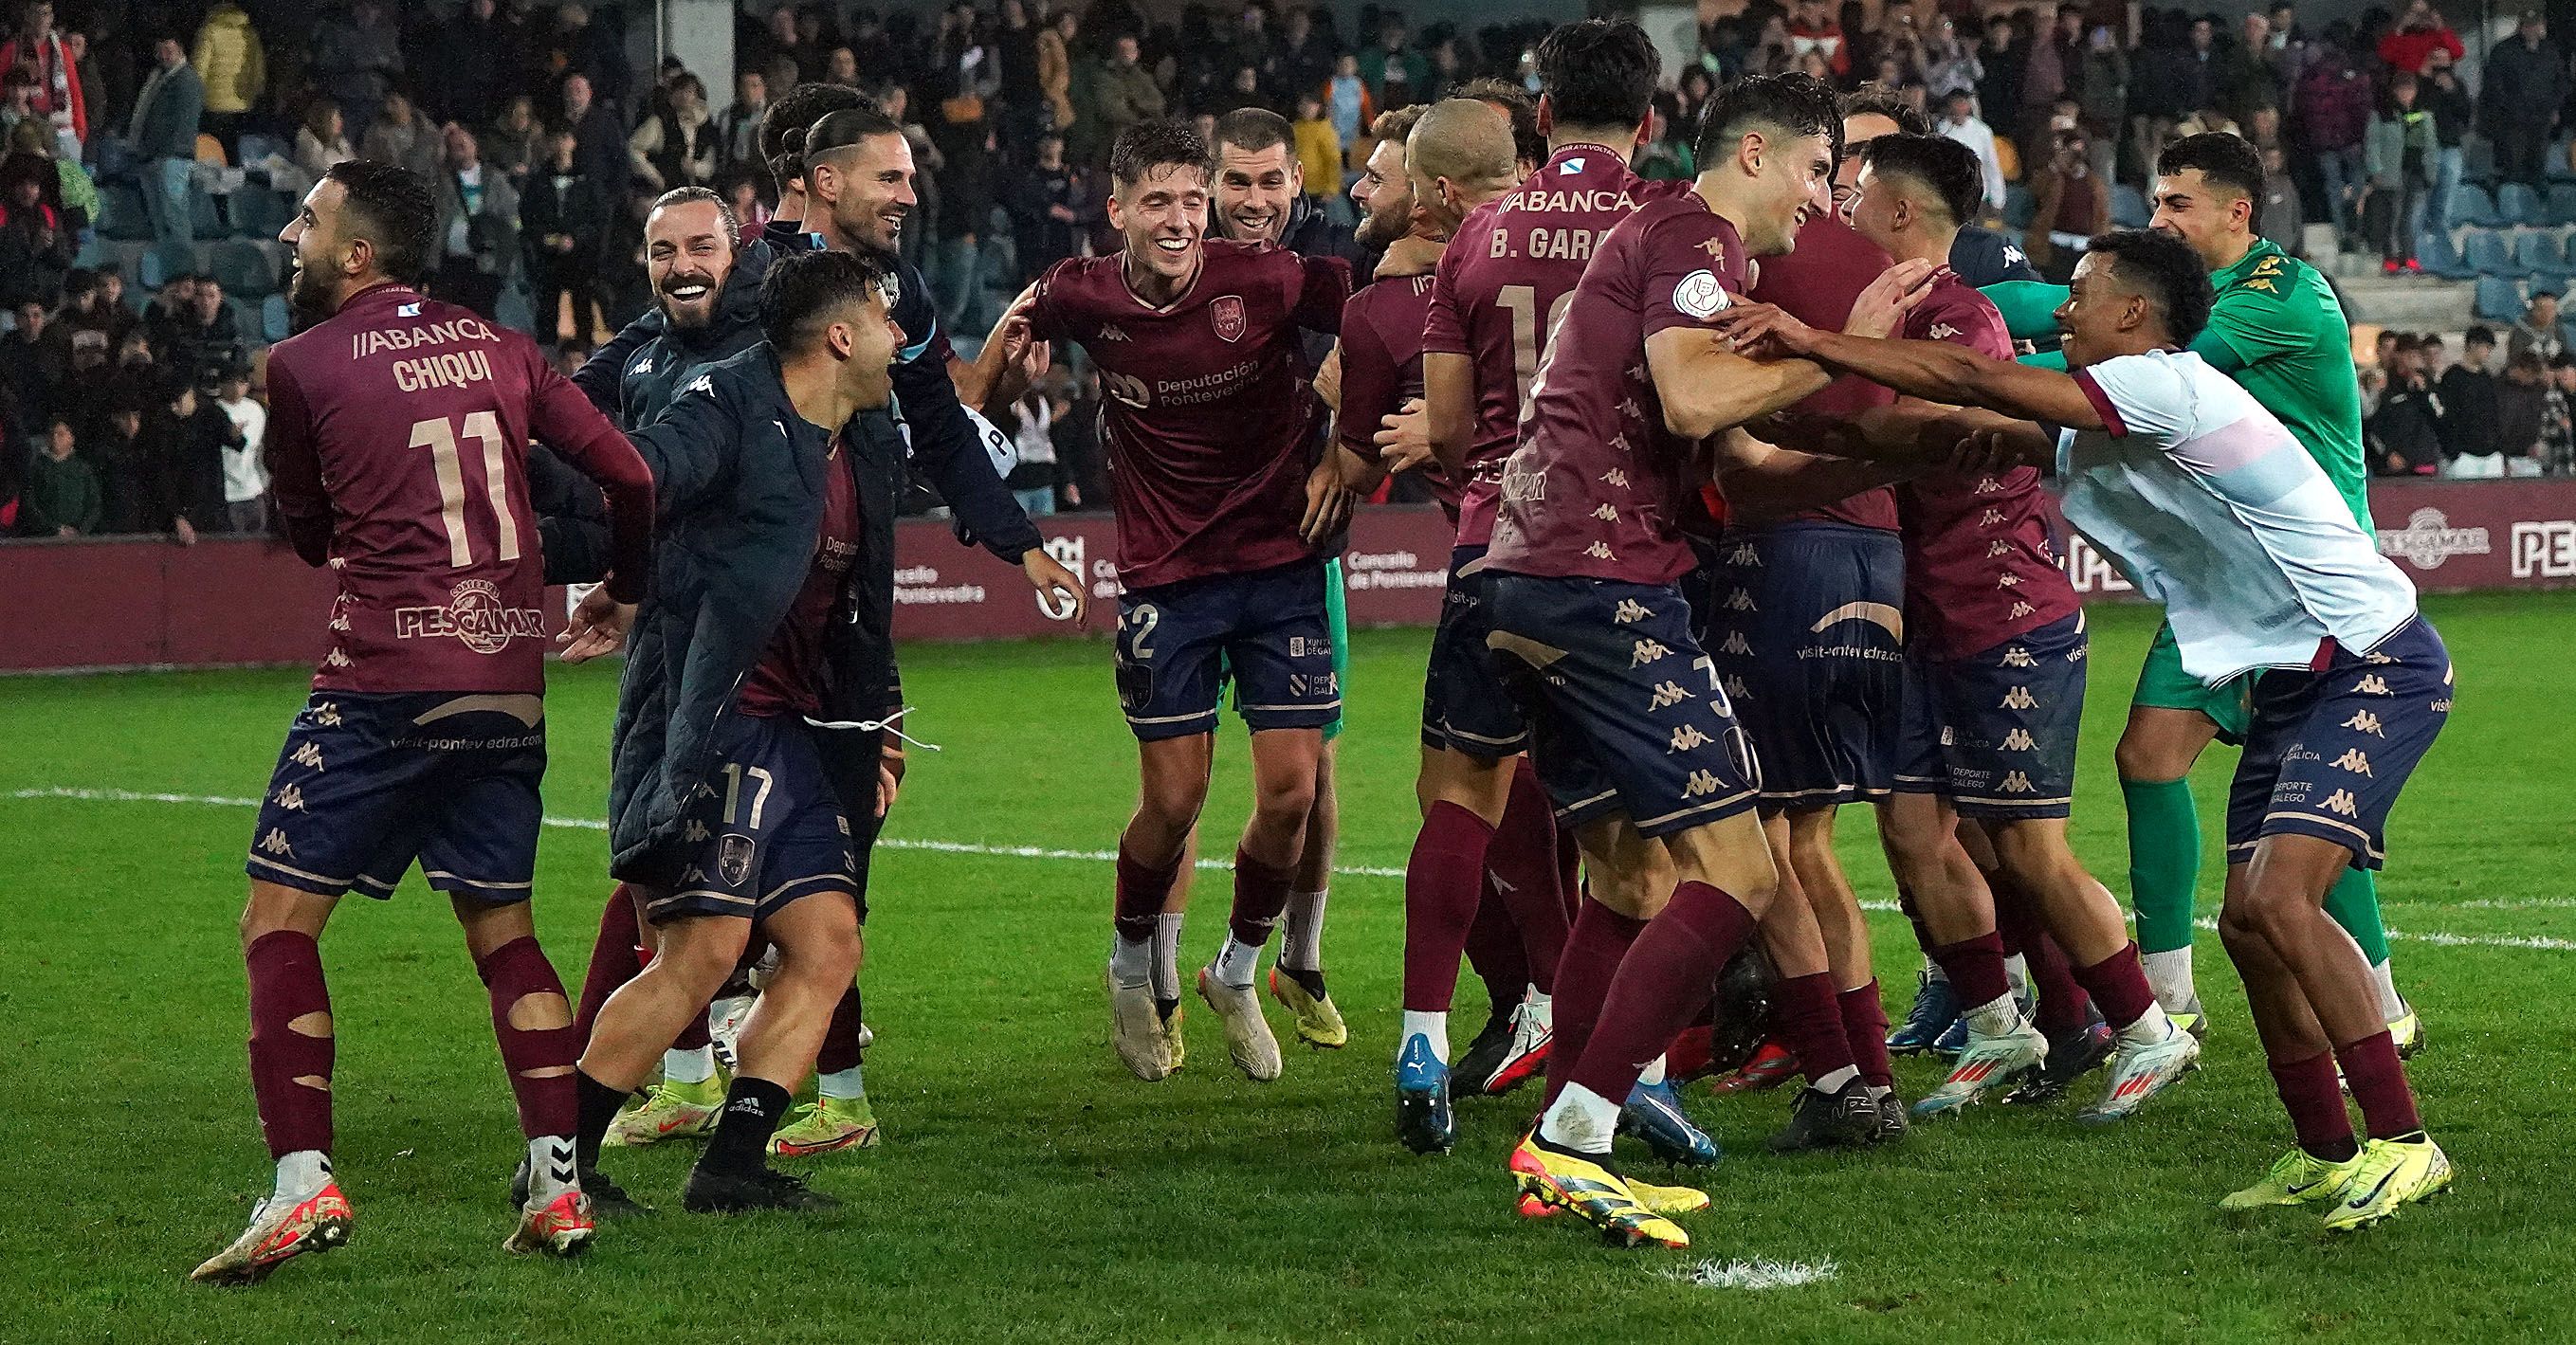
point(1311, 981)
point(751, 1114)
point(1165, 1008)
point(599, 1104)
point(2341, 1151)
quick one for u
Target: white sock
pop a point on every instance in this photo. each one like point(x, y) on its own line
point(550, 1171)
point(695, 1064)
point(1167, 955)
point(1431, 1027)
point(2169, 975)
point(1652, 1074)
point(2017, 971)
point(2392, 1006)
point(1131, 962)
point(1301, 942)
point(1833, 1083)
point(1237, 961)
point(301, 1174)
point(843, 1085)
point(1581, 1120)
point(2152, 1026)
point(2000, 1017)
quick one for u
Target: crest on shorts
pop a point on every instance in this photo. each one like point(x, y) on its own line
point(733, 860)
point(1227, 314)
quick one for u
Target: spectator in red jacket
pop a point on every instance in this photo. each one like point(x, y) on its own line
point(1813, 28)
point(39, 47)
point(2418, 33)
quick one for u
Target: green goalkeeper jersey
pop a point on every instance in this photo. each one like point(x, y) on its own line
point(2277, 330)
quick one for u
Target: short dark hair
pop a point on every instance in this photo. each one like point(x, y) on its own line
point(804, 291)
point(1254, 129)
point(391, 207)
point(1516, 103)
point(1148, 145)
point(2225, 160)
point(783, 126)
point(1949, 168)
point(860, 121)
point(1876, 99)
point(2480, 335)
point(1598, 72)
point(1799, 104)
point(725, 219)
point(2167, 271)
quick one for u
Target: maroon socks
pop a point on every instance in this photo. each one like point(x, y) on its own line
point(2119, 984)
point(840, 1049)
point(1141, 892)
point(1444, 879)
point(2379, 1088)
point(1593, 949)
point(1495, 950)
point(290, 1070)
point(1260, 894)
point(615, 957)
point(539, 1059)
point(1807, 1019)
point(1865, 1027)
point(2315, 1103)
point(1523, 864)
point(1975, 968)
point(1661, 982)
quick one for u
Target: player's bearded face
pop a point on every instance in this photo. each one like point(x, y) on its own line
point(868, 189)
point(1164, 220)
point(313, 234)
point(687, 257)
point(1386, 194)
point(1254, 191)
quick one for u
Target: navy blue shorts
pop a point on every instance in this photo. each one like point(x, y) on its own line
point(1465, 706)
point(1628, 712)
point(1995, 732)
point(767, 828)
point(1806, 622)
point(2328, 751)
point(369, 782)
point(1268, 630)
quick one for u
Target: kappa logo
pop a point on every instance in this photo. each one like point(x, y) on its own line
point(2016, 782)
point(1686, 738)
point(275, 843)
point(1990, 518)
point(1605, 513)
point(2018, 657)
point(1745, 554)
point(1736, 644)
point(1998, 548)
point(1647, 651)
point(1740, 601)
point(1620, 442)
point(2365, 722)
point(1628, 407)
point(291, 799)
point(1600, 551)
point(1942, 331)
point(695, 833)
point(1226, 314)
point(701, 385)
point(1735, 687)
point(2020, 609)
point(1667, 696)
point(1630, 610)
point(1637, 372)
point(2019, 698)
point(2371, 684)
point(1615, 477)
point(2352, 760)
point(2008, 580)
point(2378, 658)
point(1701, 783)
point(340, 621)
point(1110, 331)
point(2342, 801)
point(2019, 740)
point(307, 756)
point(1987, 485)
point(335, 659)
point(640, 367)
point(327, 714)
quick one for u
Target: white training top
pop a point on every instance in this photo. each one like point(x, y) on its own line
point(2213, 509)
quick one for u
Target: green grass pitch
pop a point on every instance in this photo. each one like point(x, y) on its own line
point(1030, 1190)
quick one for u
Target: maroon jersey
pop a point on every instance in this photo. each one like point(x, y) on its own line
point(1382, 365)
point(1978, 570)
point(1503, 282)
point(788, 680)
point(1598, 486)
point(1207, 416)
point(1816, 284)
point(397, 438)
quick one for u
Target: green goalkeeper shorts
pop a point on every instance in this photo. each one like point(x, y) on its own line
point(2163, 685)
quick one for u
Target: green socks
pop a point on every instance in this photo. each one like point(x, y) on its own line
point(2164, 861)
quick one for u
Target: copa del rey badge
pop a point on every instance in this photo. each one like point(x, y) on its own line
point(1227, 313)
point(1699, 294)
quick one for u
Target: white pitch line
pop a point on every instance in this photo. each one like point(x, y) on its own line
point(1760, 1272)
point(2527, 942)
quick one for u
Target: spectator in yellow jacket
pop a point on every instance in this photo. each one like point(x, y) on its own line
point(1319, 147)
point(234, 66)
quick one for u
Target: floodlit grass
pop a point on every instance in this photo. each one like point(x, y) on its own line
point(1029, 1189)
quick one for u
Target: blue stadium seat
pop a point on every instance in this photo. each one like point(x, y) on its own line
point(120, 212)
point(2539, 252)
point(204, 220)
point(149, 272)
point(2477, 158)
point(255, 147)
point(2433, 247)
point(259, 212)
point(2518, 203)
point(2499, 299)
point(2129, 208)
point(2486, 253)
point(273, 324)
point(2470, 204)
point(2019, 206)
point(2561, 207)
point(244, 268)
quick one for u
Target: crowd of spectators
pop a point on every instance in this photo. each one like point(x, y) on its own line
point(547, 143)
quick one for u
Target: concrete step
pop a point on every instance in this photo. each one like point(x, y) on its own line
point(2409, 303)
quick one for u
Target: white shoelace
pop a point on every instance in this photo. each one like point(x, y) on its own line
point(886, 724)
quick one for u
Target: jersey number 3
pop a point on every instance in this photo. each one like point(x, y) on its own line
point(440, 439)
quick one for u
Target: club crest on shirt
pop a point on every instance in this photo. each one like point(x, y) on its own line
point(1226, 312)
point(1699, 295)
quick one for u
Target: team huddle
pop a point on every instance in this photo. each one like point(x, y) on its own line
point(1747, 484)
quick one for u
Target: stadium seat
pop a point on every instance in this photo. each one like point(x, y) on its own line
point(2470, 204)
point(121, 213)
point(2129, 208)
point(2518, 203)
point(256, 148)
point(273, 325)
point(2019, 206)
point(2434, 249)
point(2499, 299)
point(2486, 252)
point(244, 268)
point(149, 272)
point(203, 218)
point(2560, 204)
point(259, 212)
point(2477, 158)
point(2539, 252)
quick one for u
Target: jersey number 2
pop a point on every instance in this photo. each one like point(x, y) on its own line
point(440, 439)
